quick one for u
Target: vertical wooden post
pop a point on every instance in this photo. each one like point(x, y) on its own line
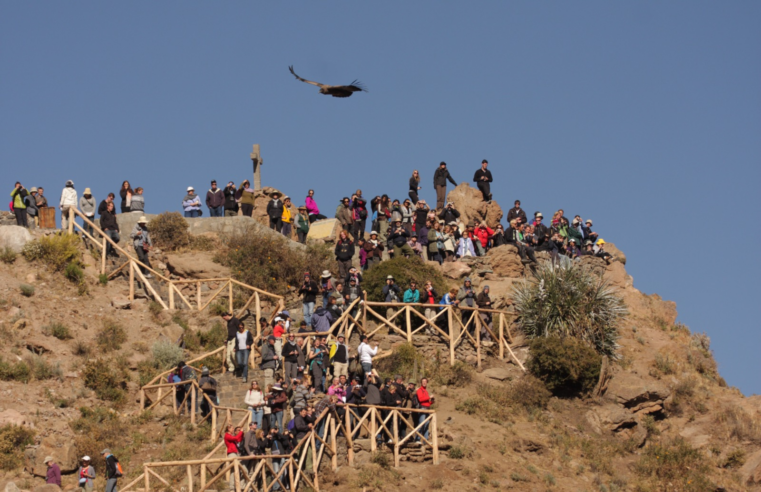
point(409, 323)
point(174, 400)
point(198, 295)
point(230, 291)
point(237, 474)
point(395, 418)
point(147, 478)
point(71, 219)
point(333, 445)
point(435, 439)
point(190, 478)
point(373, 430)
point(477, 324)
point(203, 475)
point(501, 336)
point(258, 315)
point(451, 335)
point(193, 396)
point(349, 437)
point(103, 256)
point(315, 464)
point(171, 296)
point(214, 413)
point(142, 399)
point(364, 312)
point(290, 474)
point(131, 281)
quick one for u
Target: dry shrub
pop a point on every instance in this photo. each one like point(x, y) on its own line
point(169, 231)
point(404, 360)
point(496, 404)
point(108, 378)
point(58, 330)
point(14, 371)
point(372, 477)
point(737, 424)
point(675, 463)
point(567, 366)
point(55, 251)
point(98, 428)
point(272, 262)
point(111, 336)
point(7, 256)
point(458, 375)
point(13, 441)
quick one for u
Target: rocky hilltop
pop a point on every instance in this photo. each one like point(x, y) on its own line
point(660, 413)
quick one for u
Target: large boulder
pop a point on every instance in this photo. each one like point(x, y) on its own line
point(14, 237)
point(750, 472)
point(195, 265)
point(612, 249)
point(637, 394)
point(505, 261)
point(326, 230)
point(472, 207)
point(455, 269)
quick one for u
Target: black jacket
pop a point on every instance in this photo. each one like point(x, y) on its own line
point(232, 328)
point(542, 233)
point(480, 174)
point(301, 427)
point(516, 212)
point(449, 215)
point(498, 239)
point(413, 185)
point(441, 176)
point(344, 250)
point(102, 207)
point(309, 291)
point(390, 400)
point(424, 295)
point(108, 221)
point(230, 203)
point(289, 347)
point(399, 237)
point(275, 209)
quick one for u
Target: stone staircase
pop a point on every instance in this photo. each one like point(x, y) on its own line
point(231, 390)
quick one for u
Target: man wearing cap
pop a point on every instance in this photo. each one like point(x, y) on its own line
point(373, 250)
point(191, 204)
point(516, 212)
point(440, 177)
point(86, 474)
point(232, 334)
point(53, 474)
point(589, 235)
point(111, 470)
point(483, 180)
point(215, 200)
point(269, 361)
point(275, 212)
point(68, 199)
point(309, 290)
point(231, 203)
point(141, 240)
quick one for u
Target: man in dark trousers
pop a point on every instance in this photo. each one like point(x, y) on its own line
point(440, 178)
point(275, 212)
point(483, 179)
point(232, 334)
point(516, 212)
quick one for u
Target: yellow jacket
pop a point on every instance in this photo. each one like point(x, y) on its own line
point(287, 219)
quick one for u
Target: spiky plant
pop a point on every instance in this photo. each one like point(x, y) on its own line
point(570, 301)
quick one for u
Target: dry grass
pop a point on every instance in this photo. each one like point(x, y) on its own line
point(675, 463)
point(498, 405)
point(737, 425)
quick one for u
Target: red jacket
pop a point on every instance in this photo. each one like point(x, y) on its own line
point(423, 397)
point(483, 234)
point(232, 442)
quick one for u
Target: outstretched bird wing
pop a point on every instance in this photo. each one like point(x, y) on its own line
point(356, 86)
point(305, 80)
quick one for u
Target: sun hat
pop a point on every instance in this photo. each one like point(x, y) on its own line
point(85, 458)
point(34, 188)
point(142, 220)
point(87, 191)
point(326, 274)
point(48, 459)
point(600, 241)
point(190, 188)
point(106, 451)
point(69, 183)
point(373, 232)
point(302, 207)
point(390, 277)
point(278, 318)
point(277, 387)
point(341, 336)
point(588, 221)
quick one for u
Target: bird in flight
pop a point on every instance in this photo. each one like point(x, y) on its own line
point(334, 90)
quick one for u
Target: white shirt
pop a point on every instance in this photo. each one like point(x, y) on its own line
point(366, 353)
point(242, 338)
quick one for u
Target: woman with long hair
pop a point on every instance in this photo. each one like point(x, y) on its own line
point(255, 402)
point(126, 193)
point(414, 186)
point(246, 198)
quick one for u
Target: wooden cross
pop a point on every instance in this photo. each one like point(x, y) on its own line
point(256, 159)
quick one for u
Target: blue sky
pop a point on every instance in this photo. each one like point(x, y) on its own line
point(644, 116)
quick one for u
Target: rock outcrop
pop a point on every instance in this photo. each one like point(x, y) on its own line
point(637, 394)
point(469, 202)
point(14, 237)
point(195, 265)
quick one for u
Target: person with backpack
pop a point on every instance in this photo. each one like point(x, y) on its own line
point(113, 470)
point(209, 388)
point(185, 373)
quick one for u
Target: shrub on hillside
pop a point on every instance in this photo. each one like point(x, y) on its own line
point(13, 441)
point(166, 354)
point(26, 290)
point(99, 428)
point(169, 231)
point(268, 261)
point(570, 302)
point(58, 330)
point(566, 365)
point(403, 270)
point(107, 378)
point(14, 371)
point(74, 273)
point(7, 256)
point(55, 251)
point(676, 463)
point(214, 337)
point(496, 404)
point(111, 336)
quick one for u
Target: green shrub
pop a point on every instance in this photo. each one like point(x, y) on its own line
point(166, 354)
point(8, 256)
point(40, 368)
point(403, 270)
point(55, 251)
point(103, 279)
point(111, 336)
point(459, 452)
point(13, 441)
point(169, 231)
point(107, 379)
point(676, 463)
point(218, 308)
point(14, 371)
point(566, 365)
point(214, 337)
point(381, 459)
point(74, 273)
point(58, 330)
point(271, 262)
point(458, 375)
point(26, 290)
point(570, 302)
point(404, 359)
point(496, 404)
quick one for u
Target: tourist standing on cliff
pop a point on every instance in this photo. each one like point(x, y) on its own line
point(246, 198)
point(68, 199)
point(286, 219)
point(231, 202)
point(440, 178)
point(275, 212)
point(483, 180)
point(414, 187)
point(302, 224)
point(191, 204)
point(312, 209)
point(19, 208)
point(359, 215)
point(309, 291)
point(126, 194)
point(215, 200)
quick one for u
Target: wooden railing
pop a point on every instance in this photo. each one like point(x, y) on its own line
point(250, 473)
point(174, 287)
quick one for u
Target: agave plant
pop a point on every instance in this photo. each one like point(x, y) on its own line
point(570, 301)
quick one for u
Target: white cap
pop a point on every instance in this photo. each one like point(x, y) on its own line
point(190, 188)
point(85, 458)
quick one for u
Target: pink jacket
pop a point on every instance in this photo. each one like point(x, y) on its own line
point(311, 206)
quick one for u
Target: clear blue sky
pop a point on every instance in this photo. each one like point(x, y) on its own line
point(644, 116)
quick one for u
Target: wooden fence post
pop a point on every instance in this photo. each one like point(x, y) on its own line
point(103, 257)
point(451, 335)
point(70, 211)
point(171, 296)
point(131, 281)
point(501, 336)
point(373, 428)
point(214, 413)
point(193, 396)
point(198, 295)
point(258, 315)
point(477, 324)
point(190, 478)
point(147, 478)
point(231, 298)
point(435, 439)
point(395, 418)
point(409, 323)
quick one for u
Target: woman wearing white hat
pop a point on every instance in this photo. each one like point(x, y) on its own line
point(86, 475)
point(191, 204)
point(141, 240)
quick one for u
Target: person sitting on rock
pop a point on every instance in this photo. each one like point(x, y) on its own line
point(516, 212)
point(588, 233)
point(415, 245)
point(312, 209)
point(572, 250)
point(515, 237)
point(465, 246)
point(53, 473)
point(601, 253)
point(484, 233)
point(373, 250)
point(498, 239)
point(588, 249)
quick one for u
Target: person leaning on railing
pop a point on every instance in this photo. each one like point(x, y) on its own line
point(141, 240)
